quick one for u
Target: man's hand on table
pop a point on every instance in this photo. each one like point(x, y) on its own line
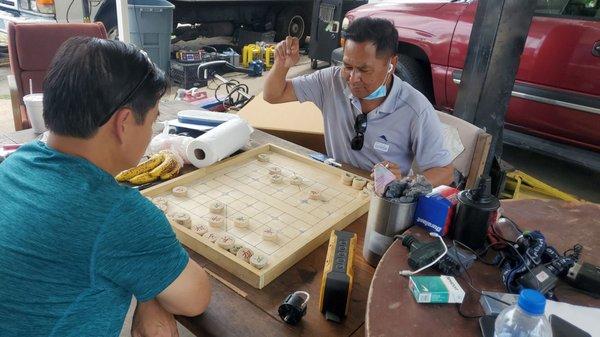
point(150, 319)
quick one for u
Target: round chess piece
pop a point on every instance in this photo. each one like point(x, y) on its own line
point(258, 261)
point(274, 170)
point(226, 241)
point(241, 221)
point(296, 181)
point(314, 195)
point(217, 207)
point(276, 179)
point(216, 220)
point(269, 234)
point(263, 158)
point(359, 183)
point(245, 254)
point(180, 191)
point(347, 178)
point(182, 218)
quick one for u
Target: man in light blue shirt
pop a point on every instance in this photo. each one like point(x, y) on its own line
point(75, 246)
point(371, 116)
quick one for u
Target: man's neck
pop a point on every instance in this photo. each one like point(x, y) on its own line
point(370, 105)
point(93, 150)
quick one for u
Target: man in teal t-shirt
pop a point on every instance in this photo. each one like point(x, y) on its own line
point(74, 244)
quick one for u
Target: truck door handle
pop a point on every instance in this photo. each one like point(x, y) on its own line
point(456, 76)
point(596, 49)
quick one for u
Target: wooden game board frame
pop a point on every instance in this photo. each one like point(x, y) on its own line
point(255, 277)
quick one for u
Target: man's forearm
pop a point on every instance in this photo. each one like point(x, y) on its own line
point(440, 175)
point(275, 83)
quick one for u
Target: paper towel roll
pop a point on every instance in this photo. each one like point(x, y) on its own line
point(218, 143)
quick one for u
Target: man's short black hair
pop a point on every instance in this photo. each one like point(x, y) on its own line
point(91, 78)
point(380, 32)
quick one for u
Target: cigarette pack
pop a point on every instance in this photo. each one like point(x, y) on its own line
point(436, 289)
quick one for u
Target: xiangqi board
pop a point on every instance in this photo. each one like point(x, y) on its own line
point(260, 212)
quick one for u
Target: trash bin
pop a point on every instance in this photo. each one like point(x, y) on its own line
point(150, 26)
point(386, 219)
point(325, 30)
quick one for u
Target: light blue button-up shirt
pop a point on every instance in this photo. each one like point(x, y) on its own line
point(403, 129)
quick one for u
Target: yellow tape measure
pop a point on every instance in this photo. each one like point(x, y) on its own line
point(338, 276)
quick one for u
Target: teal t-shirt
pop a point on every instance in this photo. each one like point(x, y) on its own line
point(75, 246)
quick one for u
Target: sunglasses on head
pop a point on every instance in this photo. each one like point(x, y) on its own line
point(360, 127)
point(133, 92)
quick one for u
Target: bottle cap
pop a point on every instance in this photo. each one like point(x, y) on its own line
point(532, 302)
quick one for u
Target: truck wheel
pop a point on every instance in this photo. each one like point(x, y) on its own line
point(292, 21)
point(113, 33)
point(412, 72)
point(314, 64)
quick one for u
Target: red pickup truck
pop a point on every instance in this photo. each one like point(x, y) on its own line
point(556, 95)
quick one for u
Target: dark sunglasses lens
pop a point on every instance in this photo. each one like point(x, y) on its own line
point(360, 124)
point(357, 142)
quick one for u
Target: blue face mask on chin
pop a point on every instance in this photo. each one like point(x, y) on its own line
point(381, 91)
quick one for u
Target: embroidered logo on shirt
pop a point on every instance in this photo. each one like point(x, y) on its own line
point(379, 146)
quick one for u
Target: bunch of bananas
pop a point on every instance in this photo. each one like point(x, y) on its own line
point(163, 165)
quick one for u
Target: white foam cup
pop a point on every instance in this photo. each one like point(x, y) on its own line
point(35, 109)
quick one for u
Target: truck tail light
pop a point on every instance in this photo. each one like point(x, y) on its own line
point(45, 6)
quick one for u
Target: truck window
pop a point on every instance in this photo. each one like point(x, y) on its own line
point(550, 7)
point(568, 8)
point(582, 8)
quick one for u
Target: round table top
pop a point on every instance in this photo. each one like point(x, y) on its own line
point(392, 310)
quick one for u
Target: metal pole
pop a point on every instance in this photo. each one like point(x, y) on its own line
point(123, 21)
point(495, 46)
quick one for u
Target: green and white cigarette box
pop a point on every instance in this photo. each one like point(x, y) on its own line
point(436, 289)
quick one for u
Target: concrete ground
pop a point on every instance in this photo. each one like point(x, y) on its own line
point(576, 180)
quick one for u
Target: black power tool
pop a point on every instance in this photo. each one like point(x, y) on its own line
point(421, 254)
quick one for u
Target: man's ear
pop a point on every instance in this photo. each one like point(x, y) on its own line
point(394, 61)
point(122, 123)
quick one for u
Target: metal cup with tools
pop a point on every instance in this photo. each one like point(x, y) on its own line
point(391, 213)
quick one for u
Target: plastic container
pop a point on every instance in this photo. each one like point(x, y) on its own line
point(525, 319)
point(386, 219)
point(34, 104)
point(150, 26)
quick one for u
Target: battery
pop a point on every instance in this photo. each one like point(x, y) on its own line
point(185, 75)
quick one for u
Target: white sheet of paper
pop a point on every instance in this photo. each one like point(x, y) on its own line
point(585, 318)
point(452, 141)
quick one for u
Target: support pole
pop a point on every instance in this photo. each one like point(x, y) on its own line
point(123, 20)
point(495, 46)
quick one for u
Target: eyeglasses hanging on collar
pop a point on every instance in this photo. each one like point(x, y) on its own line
point(360, 127)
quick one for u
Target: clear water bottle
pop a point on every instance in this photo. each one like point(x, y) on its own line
point(526, 319)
